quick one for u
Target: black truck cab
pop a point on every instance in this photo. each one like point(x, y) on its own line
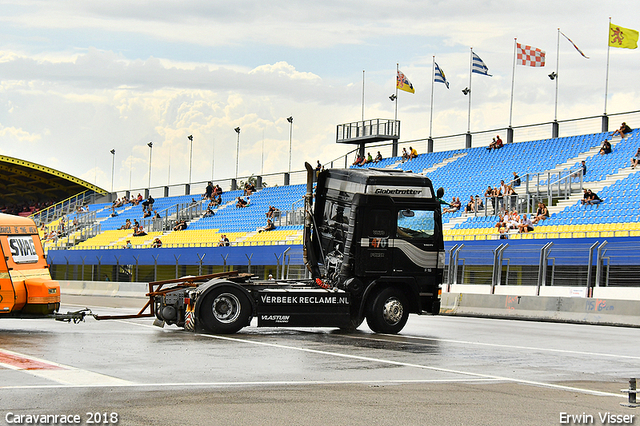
point(377, 229)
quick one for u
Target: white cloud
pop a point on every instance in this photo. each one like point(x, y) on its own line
point(81, 78)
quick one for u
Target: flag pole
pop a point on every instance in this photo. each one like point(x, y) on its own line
point(395, 117)
point(513, 78)
point(606, 82)
point(362, 95)
point(555, 111)
point(433, 72)
point(470, 73)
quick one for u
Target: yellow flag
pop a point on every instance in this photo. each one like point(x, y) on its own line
point(403, 83)
point(622, 37)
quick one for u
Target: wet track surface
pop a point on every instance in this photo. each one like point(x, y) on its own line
point(439, 370)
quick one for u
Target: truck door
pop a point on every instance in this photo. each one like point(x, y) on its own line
point(414, 248)
point(374, 256)
point(7, 295)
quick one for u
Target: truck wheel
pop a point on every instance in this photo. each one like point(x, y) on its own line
point(389, 311)
point(225, 310)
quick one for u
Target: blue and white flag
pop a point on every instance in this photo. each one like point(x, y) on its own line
point(440, 77)
point(478, 66)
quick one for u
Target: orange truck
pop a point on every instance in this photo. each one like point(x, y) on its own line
point(26, 287)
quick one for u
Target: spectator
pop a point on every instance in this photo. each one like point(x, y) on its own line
point(512, 196)
point(516, 180)
point(128, 244)
point(146, 214)
point(488, 194)
point(526, 225)
point(270, 278)
point(249, 189)
point(268, 227)
point(139, 232)
point(502, 221)
point(503, 192)
point(224, 241)
point(593, 198)
point(635, 159)
point(412, 153)
point(479, 203)
point(114, 213)
point(499, 143)
point(359, 160)
point(156, 215)
point(181, 225)
point(193, 202)
point(378, 158)
point(405, 155)
point(503, 233)
point(623, 131)
point(541, 214)
point(216, 201)
point(157, 243)
point(271, 212)
point(492, 145)
point(471, 205)
point(454, 206)
point(369, 158)
point(514, 220)
point(208, 213)
point(148, 203)
point(127, 224)
point(240, 202)
point(606, 148)
point(208, 192)
point(585, 196)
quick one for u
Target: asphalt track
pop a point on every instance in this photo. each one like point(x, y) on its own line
point(439, 371)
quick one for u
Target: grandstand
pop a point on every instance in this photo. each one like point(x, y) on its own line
point(463, 173)
point(549, 170)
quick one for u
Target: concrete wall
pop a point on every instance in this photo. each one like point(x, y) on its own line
point(543, 308)
point(102, 288)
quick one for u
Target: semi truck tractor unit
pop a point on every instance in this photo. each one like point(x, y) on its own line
point(373, 249)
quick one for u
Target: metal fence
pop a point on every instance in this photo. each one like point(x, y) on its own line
point(585, 263)
point(92, 271)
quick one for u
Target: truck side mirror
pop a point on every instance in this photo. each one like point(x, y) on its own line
point(440, 192)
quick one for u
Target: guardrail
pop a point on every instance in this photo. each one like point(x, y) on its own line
point(587, 265)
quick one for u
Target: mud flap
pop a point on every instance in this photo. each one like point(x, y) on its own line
point(189, 319)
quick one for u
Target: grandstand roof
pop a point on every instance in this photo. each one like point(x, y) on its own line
point(24, 182)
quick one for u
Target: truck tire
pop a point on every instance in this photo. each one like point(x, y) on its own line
point(224, 310)
point(389, 311)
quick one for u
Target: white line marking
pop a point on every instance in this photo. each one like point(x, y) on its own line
point(411, 365)
point(497, 345)
point(265, 383)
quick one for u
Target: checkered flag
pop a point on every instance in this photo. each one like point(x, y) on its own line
point(530, 56)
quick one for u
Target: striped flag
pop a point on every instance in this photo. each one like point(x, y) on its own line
point(478, 66)
point(530, 56)
point(574, 45)
point(440, 77)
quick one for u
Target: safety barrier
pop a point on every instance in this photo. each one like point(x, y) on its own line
point(583, 310)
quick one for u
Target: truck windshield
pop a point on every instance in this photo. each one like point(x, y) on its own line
point(415, 223)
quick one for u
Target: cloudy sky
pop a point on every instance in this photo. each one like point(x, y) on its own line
point(81, 77)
